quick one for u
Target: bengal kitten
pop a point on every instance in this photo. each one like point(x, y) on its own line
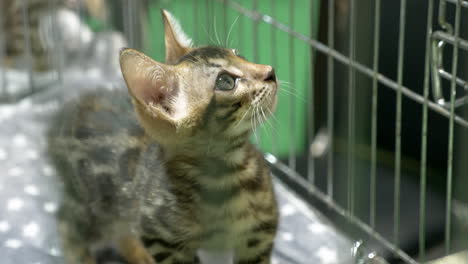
point(177, 174)
point(18, 29)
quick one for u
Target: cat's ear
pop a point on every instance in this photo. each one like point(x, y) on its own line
point(177, 42)
point(153, 85)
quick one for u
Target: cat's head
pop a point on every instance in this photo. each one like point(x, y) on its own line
point(199, 90)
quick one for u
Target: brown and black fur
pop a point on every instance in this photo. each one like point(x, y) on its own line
point(175, 173)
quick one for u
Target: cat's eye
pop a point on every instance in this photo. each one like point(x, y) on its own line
point(225, 82)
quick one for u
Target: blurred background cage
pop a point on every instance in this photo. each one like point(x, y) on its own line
point(371, 126)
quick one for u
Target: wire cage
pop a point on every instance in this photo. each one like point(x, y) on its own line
point(372, 119)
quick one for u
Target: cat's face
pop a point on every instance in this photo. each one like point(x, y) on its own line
point(205, 90)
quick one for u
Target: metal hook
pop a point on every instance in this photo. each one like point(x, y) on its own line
point(437, 48)
point(361, 255)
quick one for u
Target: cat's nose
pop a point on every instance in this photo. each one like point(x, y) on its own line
point(270, 75)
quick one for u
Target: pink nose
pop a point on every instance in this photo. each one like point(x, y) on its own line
point(266, 73)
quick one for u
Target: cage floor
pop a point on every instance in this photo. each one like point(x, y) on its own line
point(29, 197)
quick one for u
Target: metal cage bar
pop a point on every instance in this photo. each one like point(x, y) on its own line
point(435, 41)
point(3, 91)
point(375, 67)
point(451, 130)
point(310, 119)
point(28, 48)
point(330, 98)
point(292, 99)
point(351, 108)
point(396, 201)
point(423, 166)
point(274, 61)
point(321, 47)
point(379, 81)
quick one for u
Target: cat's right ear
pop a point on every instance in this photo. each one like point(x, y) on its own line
point(177, 42)
point(153, 85)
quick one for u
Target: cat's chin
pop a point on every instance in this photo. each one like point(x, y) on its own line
point(272, 101)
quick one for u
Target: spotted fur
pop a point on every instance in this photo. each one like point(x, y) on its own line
point(167, 169)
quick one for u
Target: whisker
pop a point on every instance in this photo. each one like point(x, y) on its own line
point(259, 121)
point(254, 125)
point(230, 30)
point(209, 35)
point(289, 89)
point(265, 119)
point(293, 92)
point(260, 118)
point(289, 93)
point(273, 116)
point(242, 118)
point(268, 122)
point(216, 32)
point(285, 82)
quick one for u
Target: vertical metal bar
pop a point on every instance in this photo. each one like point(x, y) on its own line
point(255, 33)
point(375, 68)
point(195, 20)
point(256, 60)
point(396, 197)
point(311, 105)
point(4, 92)
point(351, 108)
point(58, 45)
point(27, 42)
point(81, 56)
point(127, 22)
point(330, 97)
point(453, 85)
point(225, 24)
point(422, 194)
point(292, 99)
point(240, 32)
point(50, 59)
point(207, 16)
point(131, 33)
point(133, 9)
point(274, 61)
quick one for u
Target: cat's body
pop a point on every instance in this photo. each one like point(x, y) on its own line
point(116, 171)
point(175, 173)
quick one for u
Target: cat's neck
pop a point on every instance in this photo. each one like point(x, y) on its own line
point(212, 153)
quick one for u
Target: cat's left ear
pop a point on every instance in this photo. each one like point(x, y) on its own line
point(177, 42)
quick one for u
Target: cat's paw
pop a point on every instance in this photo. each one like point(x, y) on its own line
point(134, 252)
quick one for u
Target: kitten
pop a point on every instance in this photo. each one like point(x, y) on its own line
point(16, 30)
point(175, 173)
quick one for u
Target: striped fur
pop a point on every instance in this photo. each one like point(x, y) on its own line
point(157, 179)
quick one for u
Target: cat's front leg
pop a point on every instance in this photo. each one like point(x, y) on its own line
point(133, 251)
point(166, 252)
point(256, 252)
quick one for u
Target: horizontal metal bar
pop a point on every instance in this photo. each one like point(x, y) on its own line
point(294, 176)
point(319, 46)
point(448, 76)
point(441, 35)
point(464, 3)
point(461, 101)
